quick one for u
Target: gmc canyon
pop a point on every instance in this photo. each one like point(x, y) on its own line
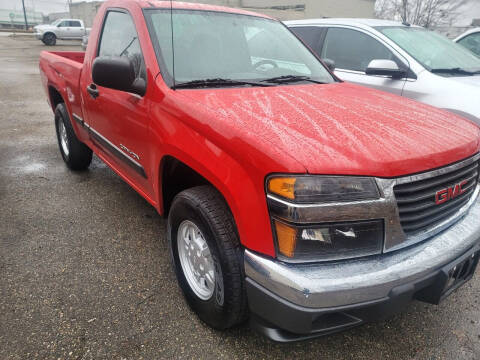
point(304, 203)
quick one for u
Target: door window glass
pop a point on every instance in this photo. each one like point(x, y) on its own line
point(75, 24)
point(353, 50)
point(64, 24)
point(472, 43)
point(119, 38)
point(310, 35)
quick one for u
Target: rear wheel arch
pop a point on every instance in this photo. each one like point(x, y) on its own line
point(55, 97)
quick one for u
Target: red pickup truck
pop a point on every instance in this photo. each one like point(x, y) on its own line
point(305, 203)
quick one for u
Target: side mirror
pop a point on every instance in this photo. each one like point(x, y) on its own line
point(330, 64)
point(117, 72)
point(385, 68)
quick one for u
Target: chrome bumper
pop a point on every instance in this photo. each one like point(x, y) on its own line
point(368, 279)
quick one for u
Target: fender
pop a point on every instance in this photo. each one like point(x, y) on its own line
point(239, 187)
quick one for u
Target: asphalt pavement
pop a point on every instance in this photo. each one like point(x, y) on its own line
point(85, 271)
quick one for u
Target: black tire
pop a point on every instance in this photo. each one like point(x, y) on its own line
point(207, 209)
point(79, 155)
point(49, 39)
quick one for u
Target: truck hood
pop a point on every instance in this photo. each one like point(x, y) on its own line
point(44, 27)
point(341, 128)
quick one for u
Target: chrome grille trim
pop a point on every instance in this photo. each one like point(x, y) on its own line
point(398, 237)
point(417, 208)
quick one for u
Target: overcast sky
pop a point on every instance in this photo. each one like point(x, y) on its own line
point(45, 6)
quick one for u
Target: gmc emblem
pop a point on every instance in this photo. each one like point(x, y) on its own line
point(450, 193)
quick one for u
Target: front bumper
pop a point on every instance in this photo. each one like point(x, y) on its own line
point(297, 301)
point(38, 36)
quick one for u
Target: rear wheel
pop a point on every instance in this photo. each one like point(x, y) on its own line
point(207, 256)
point(49, 39)
point(76, 154)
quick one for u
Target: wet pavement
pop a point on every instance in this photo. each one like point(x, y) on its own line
point(85, 272)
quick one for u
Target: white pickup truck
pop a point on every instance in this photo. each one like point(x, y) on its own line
point(63, 29)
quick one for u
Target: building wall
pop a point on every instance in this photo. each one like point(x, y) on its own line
point(15, 18)
point(467, 17)
point(58, 15)
point(85, 11)
point(467, 14)
point(300, 9)
point(340, 8)
point(280, 9)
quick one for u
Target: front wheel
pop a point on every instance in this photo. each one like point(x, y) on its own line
point(207, 256)
point(49, 39)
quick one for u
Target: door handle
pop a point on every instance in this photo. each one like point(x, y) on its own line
point(93, 91)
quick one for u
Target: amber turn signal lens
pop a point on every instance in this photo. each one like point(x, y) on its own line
point(286, 239)
point(283, 186)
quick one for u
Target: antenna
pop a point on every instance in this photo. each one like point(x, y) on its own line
point(173, 47)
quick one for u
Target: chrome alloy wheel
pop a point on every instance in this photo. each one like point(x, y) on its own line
point(196, 260)
point(63, 137)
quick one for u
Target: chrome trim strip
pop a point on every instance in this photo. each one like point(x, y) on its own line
point(415, 238)
point(114, 150)
point(437, 172)
point(341, 283)
point(80, 121)
point(122, 152)
point(383, 208)
point(327, 212)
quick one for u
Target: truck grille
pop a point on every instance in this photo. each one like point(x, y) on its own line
point(421, 208)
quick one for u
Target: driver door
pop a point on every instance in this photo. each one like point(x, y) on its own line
point(119, 120)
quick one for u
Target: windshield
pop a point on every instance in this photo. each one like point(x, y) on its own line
point(56, 22)
point(223, 46)
point(432, 50)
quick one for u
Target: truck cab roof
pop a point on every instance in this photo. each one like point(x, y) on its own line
point(195, 6)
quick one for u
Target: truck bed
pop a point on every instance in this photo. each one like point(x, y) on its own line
point(61, 70)
point(77, 56)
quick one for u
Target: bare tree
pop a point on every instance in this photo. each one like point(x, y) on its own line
point(427, 13)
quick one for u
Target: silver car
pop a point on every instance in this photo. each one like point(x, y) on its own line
point(406, 60)
point(63, 29)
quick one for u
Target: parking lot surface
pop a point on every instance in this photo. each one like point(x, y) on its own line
point(85, 270)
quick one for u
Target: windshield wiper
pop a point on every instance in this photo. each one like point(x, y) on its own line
point(456, 70)
point(285, 79)
point(215, 83)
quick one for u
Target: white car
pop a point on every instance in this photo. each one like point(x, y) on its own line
point(406, 60)
point(64, 29)
point(471, 40)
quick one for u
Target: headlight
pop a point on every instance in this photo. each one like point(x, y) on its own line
point(318, 239)
point(312, 189)
point(324, 242)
